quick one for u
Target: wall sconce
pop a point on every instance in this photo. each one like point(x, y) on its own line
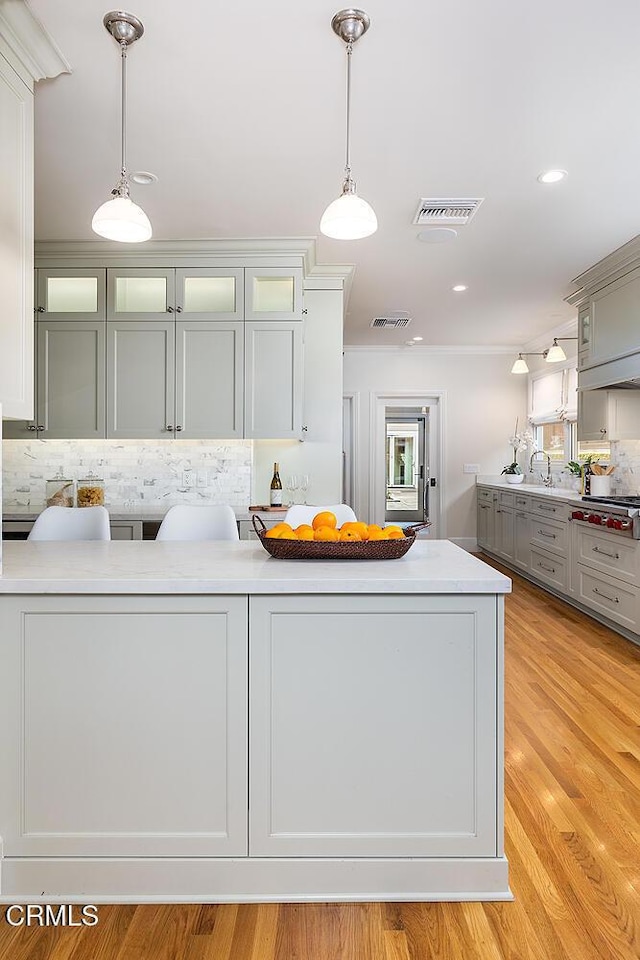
point(553, 354)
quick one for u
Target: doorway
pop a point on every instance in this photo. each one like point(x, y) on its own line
point(406, 459)
point(407, 468)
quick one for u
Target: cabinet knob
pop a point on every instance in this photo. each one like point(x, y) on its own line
point(169, 427)
point(40, 426)
point(41, 310)
point(31, 426)
point(178, 427)
point(603, 430)
point(169, 309)
point(178, 309)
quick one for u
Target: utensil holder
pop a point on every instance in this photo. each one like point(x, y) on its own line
point(600, 485)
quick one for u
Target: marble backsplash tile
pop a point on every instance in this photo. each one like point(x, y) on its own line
point(135, 472)
point(625, 454)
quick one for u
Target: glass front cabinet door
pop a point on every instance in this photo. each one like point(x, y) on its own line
point(70, 294)
point(273, 293)
point(190, 294)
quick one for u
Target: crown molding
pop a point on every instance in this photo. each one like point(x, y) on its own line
point(433, 349)
point(567, 329)
point(29, 42)
point(605, 271)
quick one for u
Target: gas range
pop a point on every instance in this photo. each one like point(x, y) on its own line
point(620, 515)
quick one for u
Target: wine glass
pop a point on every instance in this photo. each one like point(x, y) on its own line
point(304, 486)
point(291, 483)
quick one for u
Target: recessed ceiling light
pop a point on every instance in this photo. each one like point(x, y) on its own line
point(418, 338)
point(552, 176)
point(460, 288)
point(410, 343)
point(437, 235)
point(144, 177)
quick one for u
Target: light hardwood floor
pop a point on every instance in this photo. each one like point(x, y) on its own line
point(572, 835)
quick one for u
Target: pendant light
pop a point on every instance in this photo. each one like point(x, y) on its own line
point(120, 218)
point(349, 217)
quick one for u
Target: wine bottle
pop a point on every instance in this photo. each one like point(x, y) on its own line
point(276, 488)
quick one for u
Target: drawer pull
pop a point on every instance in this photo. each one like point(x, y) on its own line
point(606, 597)
point(548, 569)
point(545, 506)
point(550, 536)
point(613, 556)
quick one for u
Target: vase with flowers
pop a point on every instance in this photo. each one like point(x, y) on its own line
point(512, 472)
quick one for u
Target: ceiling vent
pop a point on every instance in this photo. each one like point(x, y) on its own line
point(392, 320)
point(446, 210)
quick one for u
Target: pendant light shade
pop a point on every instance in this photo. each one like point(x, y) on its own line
point(349, 217)
point(555, 353)
point(520, 366)
point(120, 218)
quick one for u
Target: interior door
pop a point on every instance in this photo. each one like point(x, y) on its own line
point(406, 466)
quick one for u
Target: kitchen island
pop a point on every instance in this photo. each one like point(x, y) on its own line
point(203, 722)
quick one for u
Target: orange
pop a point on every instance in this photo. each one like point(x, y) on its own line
point(378, 534)
point(349, 534)
point(278, 531)
point(373, 528)
point(304, 531)
point(288, 535)
point(394, 533)
point(326, 533)
point(324, 519)
point(362, 528)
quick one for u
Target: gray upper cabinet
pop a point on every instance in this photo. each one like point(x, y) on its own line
point(188, 293)
point(78, 294)
point(141, 379)
point(70, 382)
point(273, 293)
point(70, 393)
point(181, 379)
point(209, 379)
point(273, 380)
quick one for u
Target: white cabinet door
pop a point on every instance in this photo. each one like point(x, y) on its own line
point(608, 415)
point(141, 379)
point(71, 294)
point(140, 293)
point(209, 379)
point(374, 726)
point(210, 293)
point(521, 540)
point(273, 380)
point(158, 765)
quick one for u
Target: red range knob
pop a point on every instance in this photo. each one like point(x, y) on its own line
point(617, 524)
point(611, 522)
point(577, 515)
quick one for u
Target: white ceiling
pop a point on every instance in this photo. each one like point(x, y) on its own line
point(239, 110)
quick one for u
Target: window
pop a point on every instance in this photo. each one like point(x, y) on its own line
point(553, 414)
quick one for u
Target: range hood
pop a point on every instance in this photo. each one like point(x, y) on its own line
point(623, 373)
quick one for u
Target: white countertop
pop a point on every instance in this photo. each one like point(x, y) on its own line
point(145, 567)
point(556, 493)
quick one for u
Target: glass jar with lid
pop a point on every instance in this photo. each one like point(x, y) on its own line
point(90, 491)
point(60, 491)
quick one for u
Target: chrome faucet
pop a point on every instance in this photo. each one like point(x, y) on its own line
point(548, 480)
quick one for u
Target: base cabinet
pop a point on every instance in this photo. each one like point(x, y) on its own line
point(252, 747)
